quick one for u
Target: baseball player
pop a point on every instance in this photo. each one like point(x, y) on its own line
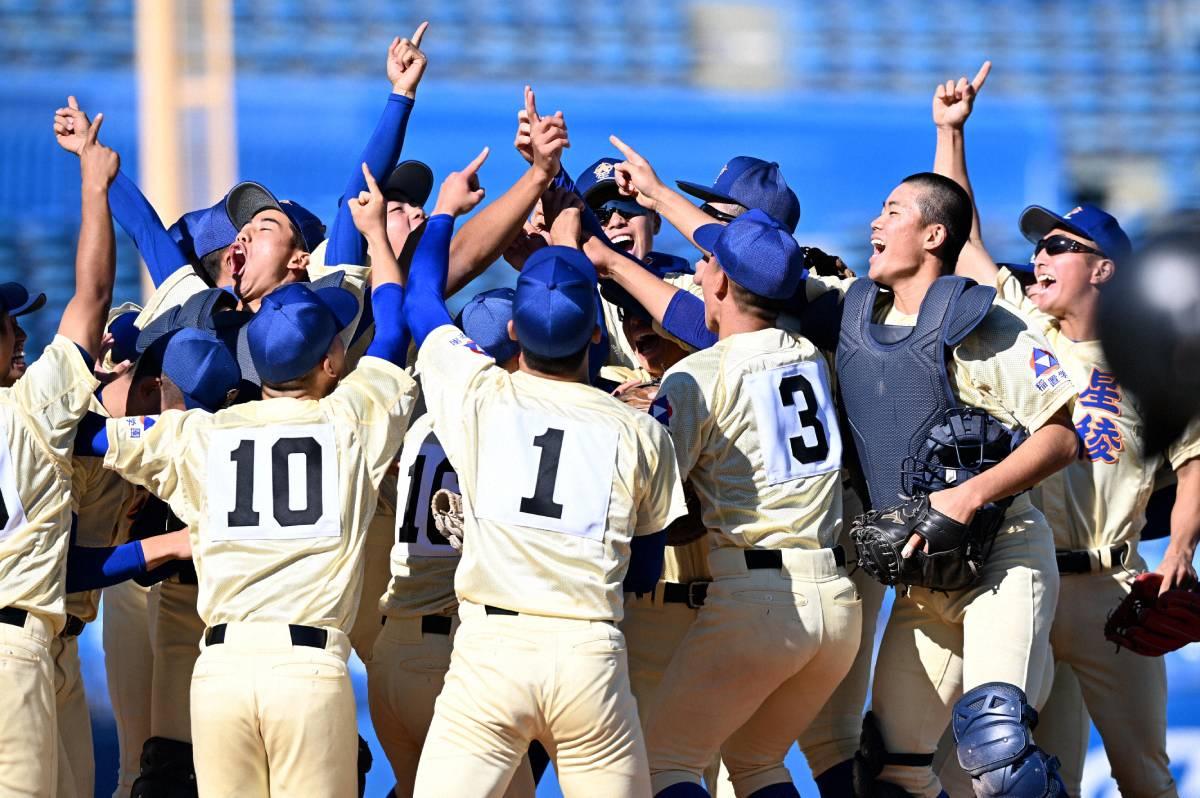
point(16, 296)
point(538, 654)
point(412, 653)
point(1096, 506)
point(39, 414)
point(279, 556)
point(755, 431)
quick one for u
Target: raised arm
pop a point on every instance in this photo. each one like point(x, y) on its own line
point(637, 178)
point(485, 235)
point(405, 67)
point(1176, 566)
point(130, 207)
point(952, 106)
point(425, 306)
point(96, 258)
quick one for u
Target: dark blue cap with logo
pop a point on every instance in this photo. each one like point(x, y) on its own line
point(294, 327)
point(599, 181)
point(203, 368)
point(485, 320)
point(17, 300)
point(1084, 220)
point(125, 335)
point(757, 253)
point(751, 183)
point(554, 309)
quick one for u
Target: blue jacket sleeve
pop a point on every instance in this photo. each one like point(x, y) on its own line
point(645, 562)
point(685, 320)
point(346, 245)
point(140, 221)
point(425, 303)
point(391, 333)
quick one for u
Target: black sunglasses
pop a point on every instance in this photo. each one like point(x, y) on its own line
point(628, 210)
point(1057, 245)
point(720, 216)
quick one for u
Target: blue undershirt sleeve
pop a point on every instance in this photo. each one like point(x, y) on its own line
point(684, 319)
point(391, 333)
point(646, 556)
point(140, 222)
point(425, 303)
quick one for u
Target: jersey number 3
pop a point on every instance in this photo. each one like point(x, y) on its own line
point(284, 484)
point(796, 421)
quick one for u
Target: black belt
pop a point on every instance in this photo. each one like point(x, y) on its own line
point(309, 636)
point(13, 616)
point(773, 558)
point(1080, 562)
point(692, 594)
point(490, 610)
point(74, 627)
point(435, 624)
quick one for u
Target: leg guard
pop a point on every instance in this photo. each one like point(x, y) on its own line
point(365, 760)
point(993, 726)
point(872, 756)
point(166, 770)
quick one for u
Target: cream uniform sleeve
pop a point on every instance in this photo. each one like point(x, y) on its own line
point(662, 499)
point(452, 367)
point(1009, 370)
point(683, 408)
point(150, 456)
point(1187, 447)
point(55, 393)
point(378, 397)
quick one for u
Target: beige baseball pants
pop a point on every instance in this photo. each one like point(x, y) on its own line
point(129, 663)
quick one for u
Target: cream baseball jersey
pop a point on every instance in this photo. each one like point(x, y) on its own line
point(277, 493)
point(423, 561)
point(1100, 499)
point(756, 432)
point(38, 417)
point(556, 479)
point(99, 500)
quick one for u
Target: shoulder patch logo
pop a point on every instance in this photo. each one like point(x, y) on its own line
point(660, 410)
point(464, 341)
point(1042, 361)
point(1047, 372)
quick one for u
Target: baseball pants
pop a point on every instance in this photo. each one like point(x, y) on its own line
point(377, 572)
point(776, 641)
point(833, 735)
point(128, 661)
point(28, 742)
point(937, 645)
point(77, 763)
point(270, 718)
point(404, 676)
point(1135, 731)
point(176, 636)
point(518, 678)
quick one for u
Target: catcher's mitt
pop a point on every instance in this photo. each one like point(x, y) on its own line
point(448, 516)
point(1149, 624)
point(954, 552)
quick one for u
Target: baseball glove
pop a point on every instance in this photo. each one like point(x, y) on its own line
point(1152, 625)
point(448, 516)
point(954, 552)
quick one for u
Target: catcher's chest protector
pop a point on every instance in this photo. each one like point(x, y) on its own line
point(893, 379)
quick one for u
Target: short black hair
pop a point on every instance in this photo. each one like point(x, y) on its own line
point(210, 266)
point(944, 202)
point(563, 366)
point(764, 308)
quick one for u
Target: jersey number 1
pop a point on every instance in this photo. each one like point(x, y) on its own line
point(244, 514)
point(542, 501)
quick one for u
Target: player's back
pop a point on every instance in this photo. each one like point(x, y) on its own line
point(557, 477)
point(278, 494)
point(756, 431)
point(38, 416)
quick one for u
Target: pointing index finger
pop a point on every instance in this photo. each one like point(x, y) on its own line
point(531, 105)
point(416, 37)
point(474, 165)
point(72, 103)
point(629, 153)
point(372, 186)
point(94, 130)
point(982, 75)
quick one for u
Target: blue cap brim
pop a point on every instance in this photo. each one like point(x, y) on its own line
point(34, 303)
point(706, 236)
point(704, 192)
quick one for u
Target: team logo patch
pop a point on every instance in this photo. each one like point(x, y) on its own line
point(1047, 373)
point(1042, 361)
point(660, 410)
point(135, 426)
point(603, 171)
point(465, 342)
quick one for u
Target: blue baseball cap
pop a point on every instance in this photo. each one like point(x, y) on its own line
point(125, 337)
point(203, 368)
point(246, 199)
point(554, 309)
point(203, 231)
point(757, 253)
point(599, 181)
point(294, 327)
point(751, 183)
point(1084, 220)
point(198, 311)
point(16, 299)
point(485, 320)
